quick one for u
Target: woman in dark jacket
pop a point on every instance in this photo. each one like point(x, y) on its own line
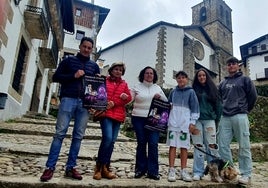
point(210, 113)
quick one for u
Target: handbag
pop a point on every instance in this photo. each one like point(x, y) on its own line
point(98, 115)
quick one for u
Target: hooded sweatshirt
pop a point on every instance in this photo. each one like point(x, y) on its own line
point(185, 109)
point(238, 94)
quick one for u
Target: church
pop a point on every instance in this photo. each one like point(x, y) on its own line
point(168, 47)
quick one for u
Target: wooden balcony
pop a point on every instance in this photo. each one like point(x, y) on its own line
point(36, 23)
point(49, 56)
point(54, 16)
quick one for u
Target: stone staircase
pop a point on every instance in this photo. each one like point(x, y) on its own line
point(24, 146)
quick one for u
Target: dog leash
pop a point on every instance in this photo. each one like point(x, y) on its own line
point(226, 163)
point(206, 152)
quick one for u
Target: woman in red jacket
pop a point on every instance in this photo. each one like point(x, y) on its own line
point(118, 96)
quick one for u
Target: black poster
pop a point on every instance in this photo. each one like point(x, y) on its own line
point(95, 95)
point(157, 119)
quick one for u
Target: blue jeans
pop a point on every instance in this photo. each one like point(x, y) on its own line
point(206, 137)
point(69, 108)
point(109, 129)
point(145, 138)
point(236, 126)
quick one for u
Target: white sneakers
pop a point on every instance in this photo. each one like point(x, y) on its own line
point(185, 176)
point(196, 177)
point(172, 174)
point(244, 180)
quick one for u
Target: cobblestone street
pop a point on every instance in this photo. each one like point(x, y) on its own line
point(24, 145)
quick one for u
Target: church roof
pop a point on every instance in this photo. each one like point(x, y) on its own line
point(162, 23)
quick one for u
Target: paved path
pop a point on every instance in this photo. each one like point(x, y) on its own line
point(25, 142)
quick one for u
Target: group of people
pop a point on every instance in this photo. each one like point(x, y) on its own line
point(198, 113)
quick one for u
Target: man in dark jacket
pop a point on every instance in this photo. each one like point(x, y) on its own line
point(238, 95)
point(69, 74)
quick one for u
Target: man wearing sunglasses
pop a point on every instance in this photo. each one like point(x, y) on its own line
point(238, 95)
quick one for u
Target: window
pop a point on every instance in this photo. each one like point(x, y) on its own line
point(78, 12)
point(79, 34)
point(263, 47)
point(203, 14)
point(228, 22)
point(265, 58)
point(221, 11)
point(254, 49)
point(19, 73)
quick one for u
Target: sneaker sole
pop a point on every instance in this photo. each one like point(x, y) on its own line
point(171, 180)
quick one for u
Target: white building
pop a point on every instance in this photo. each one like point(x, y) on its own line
point(31, 36)
point(254, 55)
point(161, 43)
point(169, 47)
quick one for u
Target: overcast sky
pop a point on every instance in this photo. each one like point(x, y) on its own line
point(127, 17)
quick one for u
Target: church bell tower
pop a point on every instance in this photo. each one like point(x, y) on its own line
point(216, 19)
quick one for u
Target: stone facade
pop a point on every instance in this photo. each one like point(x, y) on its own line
point(215, 17)
point(160, 54)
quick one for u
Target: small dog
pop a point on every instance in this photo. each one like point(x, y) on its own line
point(220, 170)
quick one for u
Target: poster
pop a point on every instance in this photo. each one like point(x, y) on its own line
point(157, 119)
point(95, 95)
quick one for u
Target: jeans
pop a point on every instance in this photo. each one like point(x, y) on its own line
point(145, 138)
point(109, 129)
point(69, 108)
point(206, 137)
point(236, 126)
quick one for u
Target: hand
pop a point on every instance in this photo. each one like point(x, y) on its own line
point(157, 96)
point(193, 130)
point(123, 96)
point(110, 104)
point(91, 111)
point(79, 73)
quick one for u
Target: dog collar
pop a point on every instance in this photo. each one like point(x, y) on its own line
point(226, 164)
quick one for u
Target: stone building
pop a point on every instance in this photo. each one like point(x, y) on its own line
point(170, 47)
point(34, 35)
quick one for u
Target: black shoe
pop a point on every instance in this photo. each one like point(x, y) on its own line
point(154, 177)
point(139, 174)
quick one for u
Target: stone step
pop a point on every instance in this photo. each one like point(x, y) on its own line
point(44, 128)
point(25, 144)
point(88, 182)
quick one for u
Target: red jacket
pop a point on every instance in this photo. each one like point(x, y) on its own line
point(115, 87)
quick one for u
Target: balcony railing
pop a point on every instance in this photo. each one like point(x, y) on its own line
point(261, 76)
point(36, 23)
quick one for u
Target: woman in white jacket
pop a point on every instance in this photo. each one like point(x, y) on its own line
point(142, 94)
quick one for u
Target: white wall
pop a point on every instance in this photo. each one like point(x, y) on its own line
point(15, 31)
point(256, 66)
point(174, 55)
point(137, 53)
point(70, 41)
point(140, 52)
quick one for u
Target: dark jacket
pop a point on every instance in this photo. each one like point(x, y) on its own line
point(208, 110)
point(70, 86)
point(238, 94)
